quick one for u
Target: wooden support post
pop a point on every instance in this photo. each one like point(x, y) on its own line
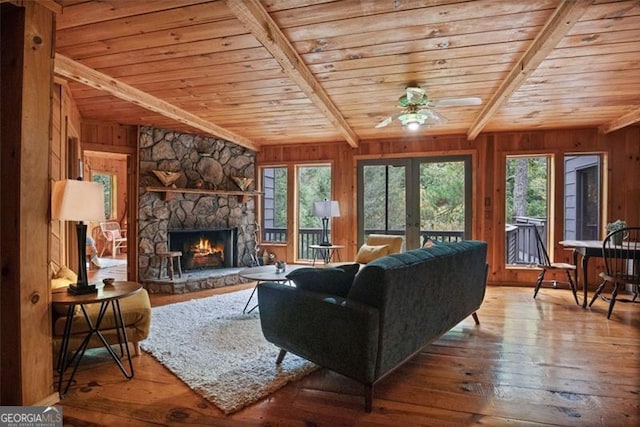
point(26, 79)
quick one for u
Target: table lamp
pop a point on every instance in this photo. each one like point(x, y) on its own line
point(326, 209)
point(75, 200)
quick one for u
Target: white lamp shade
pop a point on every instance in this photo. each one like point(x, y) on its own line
point(326, 209)
point(74, 200)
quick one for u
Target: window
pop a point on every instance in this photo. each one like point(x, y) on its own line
point(582, 197)
point(527, 194)
point(274, 206)
point(384, 203)
point(417, 198)
point(109, 181)
point(313, 184)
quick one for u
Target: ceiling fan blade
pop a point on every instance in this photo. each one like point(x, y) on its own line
point(433, 117)
point(415, 95)
point(452, 102)
point(388, 120)
point(385, 122)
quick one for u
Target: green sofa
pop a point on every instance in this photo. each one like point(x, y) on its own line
point(396, 305)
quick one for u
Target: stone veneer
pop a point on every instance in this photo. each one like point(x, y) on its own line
point(206, 163)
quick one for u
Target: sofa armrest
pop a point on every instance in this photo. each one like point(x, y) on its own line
point(333, 332)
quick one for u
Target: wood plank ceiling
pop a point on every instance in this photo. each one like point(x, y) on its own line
point(300, 71)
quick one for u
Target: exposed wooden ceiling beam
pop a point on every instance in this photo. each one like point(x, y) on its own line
point(561, 21)
point(626, 120)
point(68, 68)
point(258, 21)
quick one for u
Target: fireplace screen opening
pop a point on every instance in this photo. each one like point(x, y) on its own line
point(204, 249)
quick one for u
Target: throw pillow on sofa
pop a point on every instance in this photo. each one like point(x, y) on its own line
point(62, 279)
point(328, 280)
point(368, 253)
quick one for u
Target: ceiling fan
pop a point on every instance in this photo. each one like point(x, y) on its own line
point(419, 110)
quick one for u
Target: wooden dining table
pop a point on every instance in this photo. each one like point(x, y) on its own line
point(586, 249)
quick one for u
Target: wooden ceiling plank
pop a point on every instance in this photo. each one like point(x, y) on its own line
point(155, 76)
point(201, 47)
point(94, 12)
point(439, 57)
point(144, 23)
point(563, 18)
point(456, 33)
point(472, 42)
point(253, 15)
point(439, 13)
point(76, 71)
point(240, 56)
point(162, 38)
point(623, 121)
point(600, 64)
point(395, 72)
point(223, 88)
point(630, 49)
point(612, 10)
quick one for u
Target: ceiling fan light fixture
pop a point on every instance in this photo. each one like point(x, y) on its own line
point(412, 121)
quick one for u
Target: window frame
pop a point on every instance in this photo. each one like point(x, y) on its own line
point(110, 193)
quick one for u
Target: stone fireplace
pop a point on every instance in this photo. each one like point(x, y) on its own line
point(204, 249)
point(174, 219)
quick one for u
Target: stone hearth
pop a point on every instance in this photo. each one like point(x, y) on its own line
point(195, 281)
point(206, 167)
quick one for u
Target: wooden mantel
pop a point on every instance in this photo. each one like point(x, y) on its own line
point(168, 190)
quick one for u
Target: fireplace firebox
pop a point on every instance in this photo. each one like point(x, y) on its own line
point(205, 248)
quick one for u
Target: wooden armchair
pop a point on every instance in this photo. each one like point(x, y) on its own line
point(114, 237)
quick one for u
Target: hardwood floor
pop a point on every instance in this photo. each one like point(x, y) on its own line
point(118, 272)
point(530, 362)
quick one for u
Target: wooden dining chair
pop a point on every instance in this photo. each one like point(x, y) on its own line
point(621, 253)
point(545, 264)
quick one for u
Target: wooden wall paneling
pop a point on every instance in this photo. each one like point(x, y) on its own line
point(66, 124)
point(104, 135)
point(623, 183)
point(292, 203)
point(27, 84)
point(56, 169)
point(632, 175)
point(71, 112)
point(133, 172)
point(489, 150)
point(345, 192)
point(484, 217)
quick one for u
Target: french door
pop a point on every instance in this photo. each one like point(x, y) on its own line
point(417, 198)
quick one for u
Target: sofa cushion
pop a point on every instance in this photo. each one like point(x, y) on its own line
point(328, 280)
point(62, 279)
point(66, 273)
point(394, 242)
point(369, 285)
point(368, 253)
point(136, 310)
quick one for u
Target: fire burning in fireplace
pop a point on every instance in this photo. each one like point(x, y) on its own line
point(205, 248)
point(204, 254)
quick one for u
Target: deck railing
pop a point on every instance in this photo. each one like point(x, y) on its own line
point(520, 239)
point(313, 236)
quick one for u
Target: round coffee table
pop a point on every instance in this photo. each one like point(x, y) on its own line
point(265, 273)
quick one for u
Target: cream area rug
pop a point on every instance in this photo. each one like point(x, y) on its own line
point(219, 352)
